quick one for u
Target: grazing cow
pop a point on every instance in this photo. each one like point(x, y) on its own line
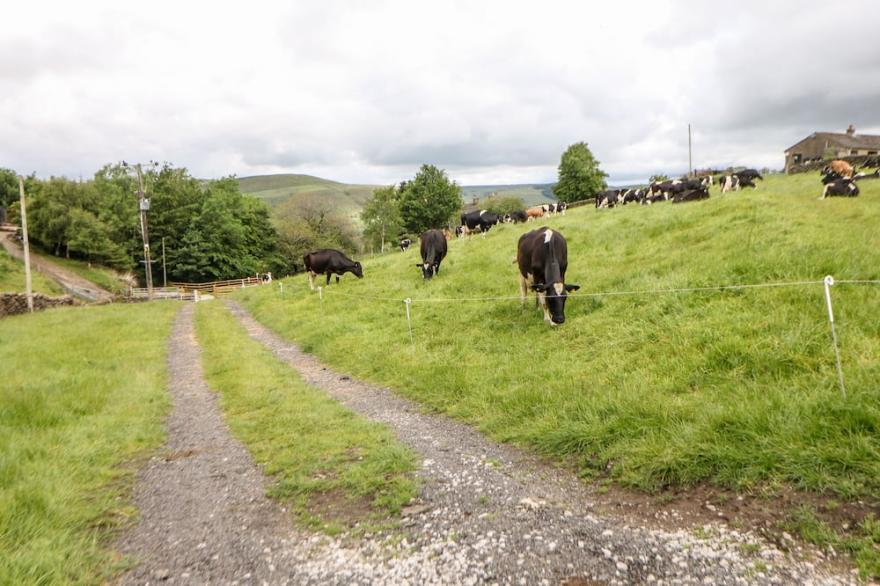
point(331, 262)
point(404, 244)
point(535, 212)
point(516, 217)
point(433, 249)
point(482, 219)
point(729, 183)
point(542, 257)
point(561, 207)
point(748, 176)
point(691, 195)
point(842, 168)
point(460, 231)
point(844, 187)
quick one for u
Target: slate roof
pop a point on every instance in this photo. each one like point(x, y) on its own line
point(847, 141)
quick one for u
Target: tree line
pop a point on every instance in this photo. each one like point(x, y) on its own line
point(214, 232)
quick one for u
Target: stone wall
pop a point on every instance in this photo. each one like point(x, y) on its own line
point(14, 303)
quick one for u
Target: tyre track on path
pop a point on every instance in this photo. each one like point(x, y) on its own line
point(490, 513)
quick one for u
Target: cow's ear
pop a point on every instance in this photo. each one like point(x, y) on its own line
point(418, 264)
point(572, 287)
point(540, 287)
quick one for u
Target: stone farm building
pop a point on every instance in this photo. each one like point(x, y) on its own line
point(831, 145)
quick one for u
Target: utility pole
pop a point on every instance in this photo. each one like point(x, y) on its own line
point(690, 157)
point(144, 206)
point(164, 274)
point(27, 253)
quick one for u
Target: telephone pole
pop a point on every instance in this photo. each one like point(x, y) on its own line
point(27, 253)
point(144, 206)
point(164, 274)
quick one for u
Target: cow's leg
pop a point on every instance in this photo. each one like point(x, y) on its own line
point(312, 280)
point(337, 279)
point(328, 278)
point(524, 284)
point(542, 301)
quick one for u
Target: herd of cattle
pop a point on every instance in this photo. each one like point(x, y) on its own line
point(542, 254)
point(839, 178)
point(542, 258)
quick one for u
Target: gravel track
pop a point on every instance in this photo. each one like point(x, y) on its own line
point(489, 513)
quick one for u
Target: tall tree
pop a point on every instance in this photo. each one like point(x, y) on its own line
point(381, 217)
point(430, 200)
point(579, 174)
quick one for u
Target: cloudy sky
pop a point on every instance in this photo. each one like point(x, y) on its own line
point(365, 92)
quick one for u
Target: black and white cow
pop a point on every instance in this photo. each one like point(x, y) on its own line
point(405, 243)
point(561, 207)
point(691, 195)
point(433, 249)
point(481, 218)
point(460, 231)
point(542, 258)
point(842, 187)
point(864, 176)
point(607, 198)
point(330, 262)
point(729, 183)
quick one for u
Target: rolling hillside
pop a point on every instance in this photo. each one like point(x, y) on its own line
point(276, 189)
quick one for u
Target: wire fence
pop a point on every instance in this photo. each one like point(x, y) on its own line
point(827, 283)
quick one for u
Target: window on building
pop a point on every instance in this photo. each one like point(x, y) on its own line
point(872, 152)
point(854, 152)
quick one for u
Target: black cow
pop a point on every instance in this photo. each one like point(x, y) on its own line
point(863, 176)
point(433, 249)
point(831, 177)
point(691, 195)
point(516, 217)
point(542, 257)
point(482, 219)
point(405, 243)
point(748, 176)
point(844, 187)
point(331, 262)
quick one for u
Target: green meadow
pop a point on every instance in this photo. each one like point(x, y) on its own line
point(83, 397)
point(735, 388)
point(12, 277)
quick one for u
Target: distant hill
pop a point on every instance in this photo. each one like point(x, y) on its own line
point(531, 193)
point(276, 189)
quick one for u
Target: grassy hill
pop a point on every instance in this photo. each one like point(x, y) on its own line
point(275, 189)
point(735, 388)
point(12, 277)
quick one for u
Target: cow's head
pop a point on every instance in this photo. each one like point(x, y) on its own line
point(428, 270)
point(358, 270)
point(555, 295)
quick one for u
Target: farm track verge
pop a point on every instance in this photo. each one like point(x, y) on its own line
point(491, 513)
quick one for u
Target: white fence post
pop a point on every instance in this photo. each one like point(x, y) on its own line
point(408, 302)
point(829, 281)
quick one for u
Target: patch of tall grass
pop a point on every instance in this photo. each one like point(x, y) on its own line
point(334, 467)
point(82, 396)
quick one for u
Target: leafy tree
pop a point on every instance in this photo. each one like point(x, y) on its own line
point(311, 222)
point(8, 188)
point(504, 205)
point(658, 178)
point(430, 200)
point(579, 174)
point(381, 217)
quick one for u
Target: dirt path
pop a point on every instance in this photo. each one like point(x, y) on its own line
point(69, 281)
point(491, 514)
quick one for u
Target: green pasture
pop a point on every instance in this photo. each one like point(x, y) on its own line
point(735, 388)
point(83, 397)
point(333, 466)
